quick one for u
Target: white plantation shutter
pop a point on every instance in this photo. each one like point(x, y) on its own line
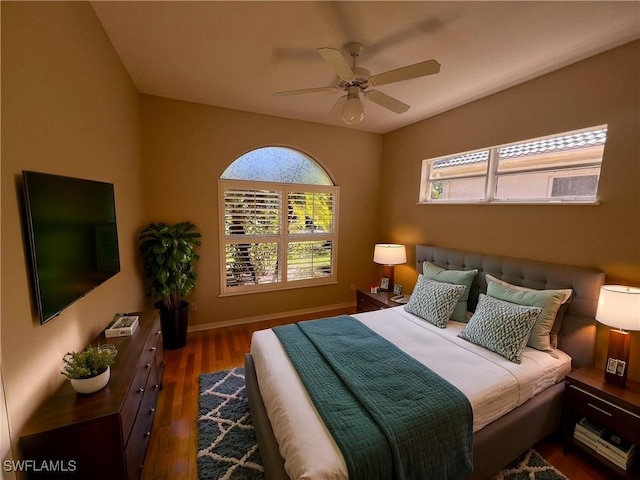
point(252, 211)
point(277, 235)
point(309, 260)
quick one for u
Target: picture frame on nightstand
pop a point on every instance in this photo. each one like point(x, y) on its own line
point(612, 365)
point(397, 289)
point(384, 284)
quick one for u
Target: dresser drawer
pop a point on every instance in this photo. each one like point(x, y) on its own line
point(136, 449)
point(605, 413)
point(146, 364)
point(159, 353)
point(134, 397)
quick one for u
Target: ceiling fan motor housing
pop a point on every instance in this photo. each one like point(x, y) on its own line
point(361, 77)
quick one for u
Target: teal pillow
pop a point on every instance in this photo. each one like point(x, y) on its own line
point(457, 277)
point(434, 301)
point(557, 324)
point(548, 301)
point(500, 326)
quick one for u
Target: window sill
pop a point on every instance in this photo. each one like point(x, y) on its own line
point(266, 288)
point(559, 202)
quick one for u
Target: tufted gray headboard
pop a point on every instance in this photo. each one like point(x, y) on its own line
point(578, 334)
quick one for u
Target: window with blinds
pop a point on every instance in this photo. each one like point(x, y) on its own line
point(277, 235)
point(558, 168)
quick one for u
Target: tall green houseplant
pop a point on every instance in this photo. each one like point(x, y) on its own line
point(169, 255)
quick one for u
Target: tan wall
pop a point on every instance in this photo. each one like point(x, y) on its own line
point(602, 89)
point(69, 108)
point(187, 146)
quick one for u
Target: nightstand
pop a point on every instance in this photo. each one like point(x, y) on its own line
point(615, 408)
point(368, 301)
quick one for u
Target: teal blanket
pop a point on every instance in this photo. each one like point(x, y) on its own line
point(390, 416)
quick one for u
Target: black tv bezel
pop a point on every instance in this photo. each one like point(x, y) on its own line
point(31, 243)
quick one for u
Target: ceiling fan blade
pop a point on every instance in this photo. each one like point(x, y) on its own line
point(306, 90)
point(335, 112)
point(337, 62)
point(416, 70)
point(386, 101)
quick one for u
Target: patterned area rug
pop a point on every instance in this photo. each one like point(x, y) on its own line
point(227, 448)
point(529, 466)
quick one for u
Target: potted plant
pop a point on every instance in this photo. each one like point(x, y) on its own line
point(169, 255)
point(90, 369)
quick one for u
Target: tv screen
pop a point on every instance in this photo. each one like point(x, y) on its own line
point(72, 237)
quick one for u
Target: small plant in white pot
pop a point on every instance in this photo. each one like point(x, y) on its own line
point(90, 369)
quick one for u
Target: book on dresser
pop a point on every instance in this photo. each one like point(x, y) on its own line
point(123, 325)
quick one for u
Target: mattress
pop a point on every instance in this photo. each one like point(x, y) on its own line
point(493, 385)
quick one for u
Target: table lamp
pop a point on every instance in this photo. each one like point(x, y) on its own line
point(618, 307)
point(388, 255)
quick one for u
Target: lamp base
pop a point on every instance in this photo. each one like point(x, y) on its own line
point(617, 358)
point(387, 272)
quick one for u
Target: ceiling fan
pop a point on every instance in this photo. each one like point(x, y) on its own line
point(356, 81)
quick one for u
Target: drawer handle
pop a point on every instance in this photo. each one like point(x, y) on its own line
point(599, 409)
point(153, 349)
point(147, 365)
point(156, 386)
point(152, 410)
point(148, 434)
point(140, 390)
point(158, 332)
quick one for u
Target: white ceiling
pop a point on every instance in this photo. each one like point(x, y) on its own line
point(237, 54)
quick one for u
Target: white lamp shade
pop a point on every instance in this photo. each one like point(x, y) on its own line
point(352, 111)
point(389, 254)
point(619, 307)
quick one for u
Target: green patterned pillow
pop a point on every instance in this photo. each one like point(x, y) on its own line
point(548, 300)
point(434, 301)
point(500, 326)
point(458, 277)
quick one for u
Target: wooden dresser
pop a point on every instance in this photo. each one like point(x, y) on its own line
point(103, 435)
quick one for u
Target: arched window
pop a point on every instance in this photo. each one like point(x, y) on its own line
point(278, 222)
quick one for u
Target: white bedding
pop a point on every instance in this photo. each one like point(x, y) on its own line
point(493, 385)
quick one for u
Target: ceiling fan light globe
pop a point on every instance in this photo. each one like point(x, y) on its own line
point(352, 111)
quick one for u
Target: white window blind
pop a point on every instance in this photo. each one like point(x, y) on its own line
point(277, 235)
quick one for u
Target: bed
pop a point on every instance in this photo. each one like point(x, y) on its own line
point(506, 430)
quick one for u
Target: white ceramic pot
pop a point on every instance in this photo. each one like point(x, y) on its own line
point(93, 384)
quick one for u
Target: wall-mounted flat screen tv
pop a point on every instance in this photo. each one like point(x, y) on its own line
point(72, 236)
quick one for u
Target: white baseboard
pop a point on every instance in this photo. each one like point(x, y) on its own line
point(271, 316)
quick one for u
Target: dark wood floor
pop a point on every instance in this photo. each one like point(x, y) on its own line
point(172, 452)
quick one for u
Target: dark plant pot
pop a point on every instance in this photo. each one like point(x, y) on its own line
point(174, 325)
